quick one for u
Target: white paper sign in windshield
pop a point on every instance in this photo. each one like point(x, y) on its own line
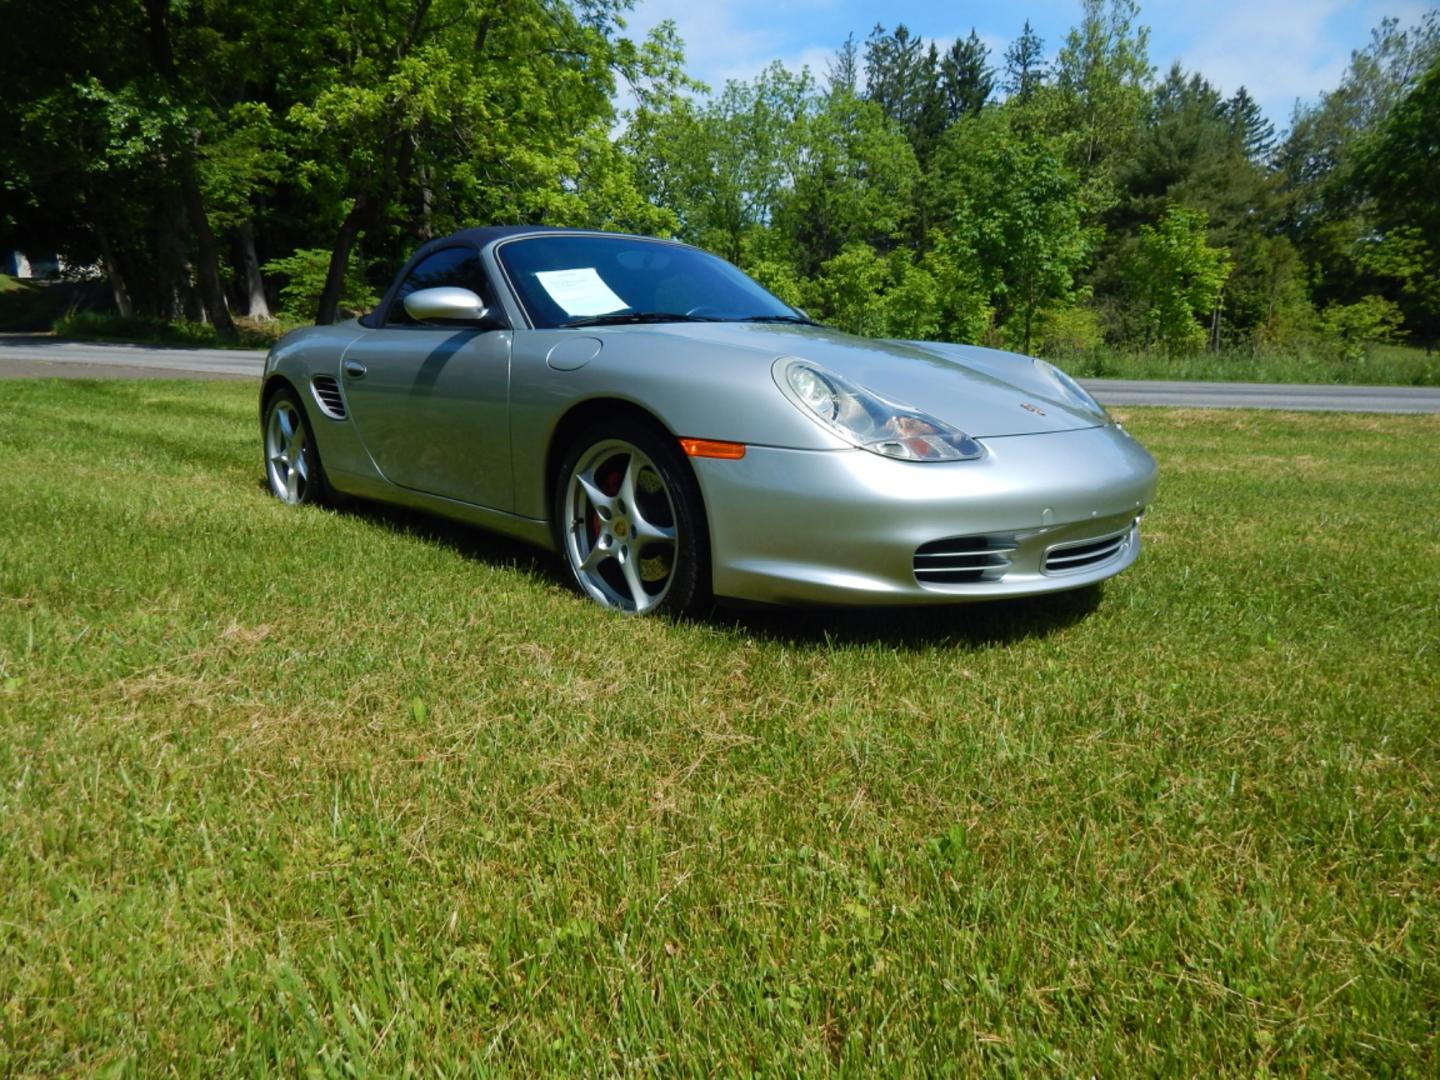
point(580, 291)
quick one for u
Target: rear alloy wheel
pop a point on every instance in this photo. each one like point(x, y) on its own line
point(292, 460)
point(631, 524)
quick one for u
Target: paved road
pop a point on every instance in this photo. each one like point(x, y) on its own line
point(1222, 395)
point(29, 355)
point(24, 356)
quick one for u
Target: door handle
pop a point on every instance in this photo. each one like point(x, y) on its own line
point(354, 369)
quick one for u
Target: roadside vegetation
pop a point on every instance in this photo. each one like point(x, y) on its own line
point(358, 792)
point(1377, 365)
point(1374, 364)
point(1064, 198)
point(96, 326)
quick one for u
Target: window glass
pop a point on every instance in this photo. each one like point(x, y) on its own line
point(450, 266)
point(563, 278)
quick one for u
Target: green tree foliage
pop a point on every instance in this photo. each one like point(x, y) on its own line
point(855, 182)
point(1248, 125)
point(899, 75)
point(1329, 204)
point(1352, 328)
point(864, 292)
point(1267, 296)
point(1025, 67)
point(1179, 277)
point(966, 78)
point(1016, 206)
point(304, 274)
point(1400, 168)
point(1101, 77)
point(167, 139)
point(424, 103)
point(210, 155)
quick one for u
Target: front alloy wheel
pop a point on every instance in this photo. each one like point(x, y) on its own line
point(630, 522)
point(292, 464)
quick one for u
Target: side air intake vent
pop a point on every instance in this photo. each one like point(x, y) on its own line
point(327, 396)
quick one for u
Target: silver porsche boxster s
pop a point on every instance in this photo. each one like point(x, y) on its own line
point(677, 433)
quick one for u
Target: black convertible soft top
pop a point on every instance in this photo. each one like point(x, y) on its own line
point(476, 237)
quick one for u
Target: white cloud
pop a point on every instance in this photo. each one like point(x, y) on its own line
point(1280, 50)
point(733, 39)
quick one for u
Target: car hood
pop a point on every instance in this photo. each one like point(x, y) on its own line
point(983, 392)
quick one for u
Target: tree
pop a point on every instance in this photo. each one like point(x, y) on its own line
point(1180, 276)
point(1398, 167)
point(725, 166)
point(1248, 126)
point(853, 182)
point(1025, 64)
point(116, 109)
point(1013, 203)
point(445, 110)
point(1327, 201)
point(1101, 76)
point(898, 77)
point(966, 80)
point(843, 71)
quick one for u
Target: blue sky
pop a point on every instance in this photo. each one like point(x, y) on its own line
point(1282, 50)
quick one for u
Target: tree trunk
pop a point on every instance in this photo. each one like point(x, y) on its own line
point(212, 295)
point(355, 222)
point(427, 204)
point(172, 273)
point(256, 306)
point(113, 271)
point(162, 55)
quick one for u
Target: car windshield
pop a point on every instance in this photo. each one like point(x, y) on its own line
point(599, 280)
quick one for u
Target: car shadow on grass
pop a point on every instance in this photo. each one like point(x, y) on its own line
point(468, 541)
point(973, 625)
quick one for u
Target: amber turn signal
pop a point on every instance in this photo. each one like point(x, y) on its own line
point(732, 451)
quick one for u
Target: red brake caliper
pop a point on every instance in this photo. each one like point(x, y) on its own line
point(610, 485)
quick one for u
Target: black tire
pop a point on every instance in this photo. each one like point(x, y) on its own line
point(309, 484)
point(673, 575)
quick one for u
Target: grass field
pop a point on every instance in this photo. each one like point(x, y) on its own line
point(362, 793)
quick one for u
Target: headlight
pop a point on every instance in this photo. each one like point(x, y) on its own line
point(863, 418)
point(1070, 390)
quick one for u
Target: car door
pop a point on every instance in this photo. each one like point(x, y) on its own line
point(431, 403)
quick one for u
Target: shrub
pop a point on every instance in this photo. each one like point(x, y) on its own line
point(1350, 329)
point(305, 271)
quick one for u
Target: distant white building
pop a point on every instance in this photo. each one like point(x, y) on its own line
point(18, 264)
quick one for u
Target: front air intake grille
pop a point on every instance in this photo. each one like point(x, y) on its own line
point(962, 560)
point(1078, 556)
point(327, 396)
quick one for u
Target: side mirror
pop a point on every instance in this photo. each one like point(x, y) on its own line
point(447, 304)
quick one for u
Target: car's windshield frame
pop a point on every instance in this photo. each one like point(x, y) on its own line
point(766, 306)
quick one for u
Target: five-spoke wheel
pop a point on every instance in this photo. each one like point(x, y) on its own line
point(630, 521)
point(292, 462)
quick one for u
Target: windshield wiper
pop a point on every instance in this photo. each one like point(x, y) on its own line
point(799, 320)
point(621, 318)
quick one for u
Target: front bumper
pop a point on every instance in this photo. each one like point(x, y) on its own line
point(844, 526)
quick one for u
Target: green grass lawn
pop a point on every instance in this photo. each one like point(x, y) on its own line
point(358, 791)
